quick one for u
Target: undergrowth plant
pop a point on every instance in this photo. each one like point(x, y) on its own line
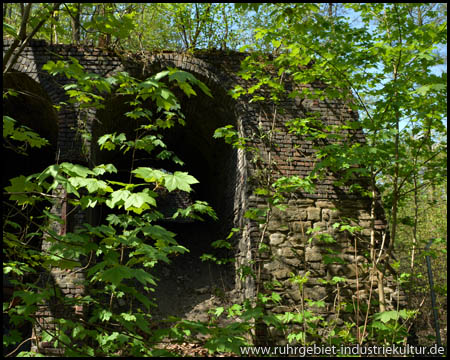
point(117, 258)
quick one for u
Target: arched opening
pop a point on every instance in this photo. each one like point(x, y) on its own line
point(213, 163)
point(30, 107)
point(187, 281)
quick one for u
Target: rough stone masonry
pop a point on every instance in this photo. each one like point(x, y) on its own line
point(229, 176)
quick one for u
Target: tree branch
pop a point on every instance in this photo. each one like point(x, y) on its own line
point(10, 57)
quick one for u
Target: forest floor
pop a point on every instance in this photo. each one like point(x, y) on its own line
point(189, 288)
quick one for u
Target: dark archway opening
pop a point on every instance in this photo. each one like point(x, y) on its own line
point(31, 107)
point(187, 281)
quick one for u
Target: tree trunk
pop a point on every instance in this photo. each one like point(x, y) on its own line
point(76, 26)
point(25, 12)
point(5, 10)
point(395, 192)
point(53, 31)
point(104, 39)
point(225, 36)
point(17, 46)
point(416, 214)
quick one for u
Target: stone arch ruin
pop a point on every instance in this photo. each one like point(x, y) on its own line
point(226, 175)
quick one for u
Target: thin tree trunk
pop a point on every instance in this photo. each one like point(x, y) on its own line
point(5, 10)
point(76, 25)
point(199, 24)
point(225, 36)
point(17, 46)
point(375, 271)
point(54, 32)
point(416, 206)
point(381, 296)
point(395, 192)
point(104, 40)
point(25, 12)
point(395, 197)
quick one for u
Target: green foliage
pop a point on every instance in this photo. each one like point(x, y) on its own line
point(115, 24)
point(22, 134)
point(138, 26)
point(127, 247)
point(383, 68)
point(179, 180)
point(378, 67)
point(232, 137)
point(387, 325)
point(221, 244)
point(176, 181)
point(292, 184)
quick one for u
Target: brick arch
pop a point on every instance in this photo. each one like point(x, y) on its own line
point(33, 96)
point(33, 108)
point(34, 71)
point(213, 76)
point(219, 82)
point(208, 68)
point(195, 65)
point(219, 74)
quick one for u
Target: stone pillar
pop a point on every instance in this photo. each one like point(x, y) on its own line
point(64, 284)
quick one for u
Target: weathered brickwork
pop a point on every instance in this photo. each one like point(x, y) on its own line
point(287, 237)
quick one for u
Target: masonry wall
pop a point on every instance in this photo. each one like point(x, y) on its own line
point(290, 249)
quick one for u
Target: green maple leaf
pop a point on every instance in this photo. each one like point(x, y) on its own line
point(21, 184)
point(117, 197)
point(148, 174)
point(143, 277)
point(386, 316)
point(116, 274)
point(188, 90)
point(139, 202)
point(179, 180)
